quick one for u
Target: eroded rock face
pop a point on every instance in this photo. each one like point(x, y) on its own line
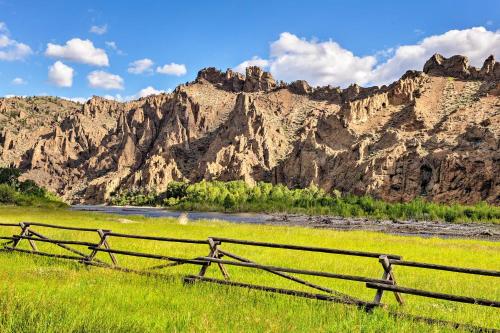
point(424, 135)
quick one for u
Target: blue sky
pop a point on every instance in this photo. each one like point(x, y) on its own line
point(50, 47)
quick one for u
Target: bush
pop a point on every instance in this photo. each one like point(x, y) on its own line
point(7, 194)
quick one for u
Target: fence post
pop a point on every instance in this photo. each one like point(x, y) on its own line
point(389, 276)
point(214, 253)
point(24, 232)
point(103, 242)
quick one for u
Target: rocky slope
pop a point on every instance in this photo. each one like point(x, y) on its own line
point(434, 133)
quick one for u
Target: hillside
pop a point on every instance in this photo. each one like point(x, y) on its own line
point(433, 134)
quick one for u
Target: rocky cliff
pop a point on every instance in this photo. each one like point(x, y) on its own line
point(434, 134)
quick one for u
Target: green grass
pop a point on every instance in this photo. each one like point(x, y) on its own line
point(237, 196)
point(48, 295)
point(25, 193)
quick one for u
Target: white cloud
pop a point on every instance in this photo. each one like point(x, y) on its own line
point(172, 69)
point(148, 91)
point(105, 80)
point(61, 75)
point(78, 50)
point(99, 30)
point(112, 45)
point(11, 49)
point(18, 81)
point(475, 43)
point(140, 66)
point(255, 61)
point(81, 100)
point(322, 63)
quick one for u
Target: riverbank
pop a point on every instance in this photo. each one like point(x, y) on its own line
point(484, 231)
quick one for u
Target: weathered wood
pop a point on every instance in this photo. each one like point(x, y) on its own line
point(445, 268)
point(9, 225)
point(56, 241)
point(323, 297)
point(305, 248)
point(297, 271)
point(59, 226)
point(24, 232)
point(104, 242)
point(290, 277)
point(218, 255)
point(430, 294)
point(44, 254)
point(66, 247)
point(165, 239)
point(152, 256)
point(390, 276)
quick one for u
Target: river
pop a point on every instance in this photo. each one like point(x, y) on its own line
point(160, 212)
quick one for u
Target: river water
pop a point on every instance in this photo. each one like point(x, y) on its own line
point(159, 212)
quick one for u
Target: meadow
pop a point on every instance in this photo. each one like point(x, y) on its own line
point(40, 294)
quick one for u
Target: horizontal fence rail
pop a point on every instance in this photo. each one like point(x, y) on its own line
point(387, 282)
point(305, 248)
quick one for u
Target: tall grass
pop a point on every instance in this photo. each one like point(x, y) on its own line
point(48, 295)
point(237, 196)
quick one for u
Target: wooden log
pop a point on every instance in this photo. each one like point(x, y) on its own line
point(56, 241)
point(104, 242)
point(44, 254)
point(297, 271)
point(152, 256)
point(305, 248)
point(391, 277)
point(445, 268)
point(217, 254)
point(66, 247)
point(322, 297)
point(290, 277)
point(165, 239)
point(60, 226)
point(24, 232)
point(9, 225)
point(430, 294)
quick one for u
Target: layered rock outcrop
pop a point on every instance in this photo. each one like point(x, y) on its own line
point(433, 134)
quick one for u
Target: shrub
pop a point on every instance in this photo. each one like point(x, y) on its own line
point(7, 194)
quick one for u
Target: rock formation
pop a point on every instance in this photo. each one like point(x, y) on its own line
point(434, 134)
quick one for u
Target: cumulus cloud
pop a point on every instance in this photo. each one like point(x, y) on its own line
point(148, 91)
point(11, 49)
point(255, 61)
point(78, 50)
point(475, 43)
point(18, 81)
point(141, 66)
point(105, 80)
point(322, 63)
point(99, 30)
point(172, 69)
point(60, 74)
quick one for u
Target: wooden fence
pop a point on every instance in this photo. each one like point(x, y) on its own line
point(29, 231)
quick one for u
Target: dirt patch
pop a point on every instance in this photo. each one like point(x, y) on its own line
point(410, 228)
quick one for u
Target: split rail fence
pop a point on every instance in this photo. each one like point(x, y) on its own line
point(30, 232)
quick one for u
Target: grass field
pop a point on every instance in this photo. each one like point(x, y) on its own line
point(49, 295)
